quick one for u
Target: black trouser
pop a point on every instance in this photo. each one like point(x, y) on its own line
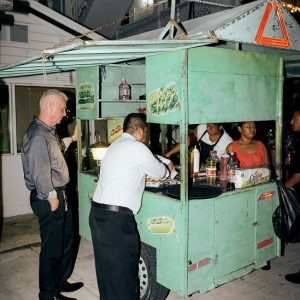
point(56, 231)
point(116, 247)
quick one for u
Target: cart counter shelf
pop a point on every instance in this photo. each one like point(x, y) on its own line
point(229, 235)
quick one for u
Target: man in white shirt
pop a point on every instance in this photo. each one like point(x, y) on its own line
point(117, 198)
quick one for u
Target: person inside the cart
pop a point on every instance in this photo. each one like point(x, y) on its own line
point(249, 152)
point(211, 136)
point(294, 176)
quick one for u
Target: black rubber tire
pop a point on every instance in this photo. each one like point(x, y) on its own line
point(149, 288)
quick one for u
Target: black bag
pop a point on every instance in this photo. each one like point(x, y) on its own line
point(286, 218)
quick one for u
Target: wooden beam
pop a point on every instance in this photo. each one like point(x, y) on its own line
point(6, 5)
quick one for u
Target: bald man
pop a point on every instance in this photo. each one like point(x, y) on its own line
point(46, 176)
point(294, 179)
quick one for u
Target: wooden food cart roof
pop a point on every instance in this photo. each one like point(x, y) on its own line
point(262, 26)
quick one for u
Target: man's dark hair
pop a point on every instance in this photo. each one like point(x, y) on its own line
point(133, 122)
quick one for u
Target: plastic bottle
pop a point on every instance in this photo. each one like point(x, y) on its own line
point(231, 167)
point(124, 90)
point(223, 166)
point(211, 166)
point(196, 163)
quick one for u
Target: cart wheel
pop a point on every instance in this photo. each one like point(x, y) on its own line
point(149, 288)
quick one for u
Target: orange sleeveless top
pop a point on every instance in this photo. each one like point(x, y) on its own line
point(252, 159)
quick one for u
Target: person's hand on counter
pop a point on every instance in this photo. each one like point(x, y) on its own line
point(169, 164)
point(171, 152)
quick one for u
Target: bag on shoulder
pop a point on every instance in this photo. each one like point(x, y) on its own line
point(286, 218)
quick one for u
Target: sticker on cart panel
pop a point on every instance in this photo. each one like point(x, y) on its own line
point(161, 225)
point(86, 96)
point(164, 100)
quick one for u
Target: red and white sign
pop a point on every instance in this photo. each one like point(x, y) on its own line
point(270, 41)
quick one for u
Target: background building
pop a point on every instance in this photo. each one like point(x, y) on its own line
point(31, 28)
point(116, 19)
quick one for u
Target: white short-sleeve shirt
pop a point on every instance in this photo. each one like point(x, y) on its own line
point(123, 173)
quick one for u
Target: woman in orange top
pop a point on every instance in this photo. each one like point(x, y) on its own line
point(249, 152)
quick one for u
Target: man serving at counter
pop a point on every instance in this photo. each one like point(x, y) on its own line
point(208, 137)
point(117, 198)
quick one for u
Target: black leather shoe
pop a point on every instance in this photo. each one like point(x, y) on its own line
point(70, 287)
point(267, 266)
point(62, 297)
point(294, 278)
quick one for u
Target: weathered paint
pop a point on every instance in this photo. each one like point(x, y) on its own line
point(212, 240)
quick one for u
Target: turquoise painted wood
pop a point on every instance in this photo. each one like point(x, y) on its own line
point(234, 234)
point(87, 93)
point(109, 104)
point(231, 86)
point(87, 185)
point(118, 109)
point(229, 236)
point(169, 247)
point(264, 232)
point(163, 72)
point(222, 86)
point(209, 241)
point(96, 102)
point(112, 75)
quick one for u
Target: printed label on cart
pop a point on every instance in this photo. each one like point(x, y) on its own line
point(163, 100)
point(265, 243)
point(86, 95)
point(199, 264)
point(161, 225)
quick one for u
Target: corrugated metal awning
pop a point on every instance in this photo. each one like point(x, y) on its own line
point(260, 26)
point(88, 53)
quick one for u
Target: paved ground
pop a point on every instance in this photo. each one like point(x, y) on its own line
point(19, 273)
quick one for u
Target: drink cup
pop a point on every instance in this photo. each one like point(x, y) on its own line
point(223, 167)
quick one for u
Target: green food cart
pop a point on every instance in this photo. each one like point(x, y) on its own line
point(230, 68)
point(197, 244)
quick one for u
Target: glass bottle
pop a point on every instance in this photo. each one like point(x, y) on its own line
point(231, 167)
point(211, 166)
point(124, 90)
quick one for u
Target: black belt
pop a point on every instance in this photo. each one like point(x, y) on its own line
point(114, 208)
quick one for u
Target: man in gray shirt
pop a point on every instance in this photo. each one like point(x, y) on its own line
point(46, 176)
